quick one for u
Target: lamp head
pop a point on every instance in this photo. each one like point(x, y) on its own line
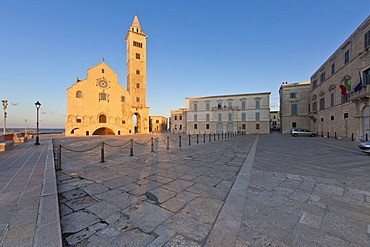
point(38, 105)
point(5, 103)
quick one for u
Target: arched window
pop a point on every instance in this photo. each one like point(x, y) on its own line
point(78, 94)
point(102, 119)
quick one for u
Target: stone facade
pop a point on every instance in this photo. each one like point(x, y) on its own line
point(343, 114)
point(275, 121)
point(99, 105)
point(157, 123)
point(248, 113)
point(178, 121)
point(294, 106)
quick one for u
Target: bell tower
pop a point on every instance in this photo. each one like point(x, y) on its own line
point(136, 64)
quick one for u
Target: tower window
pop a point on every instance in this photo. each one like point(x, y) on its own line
point(138, 72)
point(137, 99)
point(102, 70)
point(122, 98)
point(137, 85)
point(138, 44)
point(137, 55)
point(78, 94)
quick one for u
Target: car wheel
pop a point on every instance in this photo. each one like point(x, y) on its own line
point(295, 135)
point(313, 135)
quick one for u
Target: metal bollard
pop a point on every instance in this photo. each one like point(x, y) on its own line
point(335, 135)
point(131, 147)
point(222, 135)
point(214, 136)
point(168, 142)
point(204, 138)
point(189, 140)
point(218, 135)
point(59, 158)
point(180, 141)
point(210, 137)
point(328, 134)
point(352, 137)
point(152, 144)
point(322, 133)
point(102, 152)
point(197, 139)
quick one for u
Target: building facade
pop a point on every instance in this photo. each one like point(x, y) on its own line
point(340, 89)
point(248, 113)
point(275, 121)
point(99, 105)
point(157, 124)
point(178, 121)
point(294, 105)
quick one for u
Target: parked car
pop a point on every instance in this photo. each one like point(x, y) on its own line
point(302, 132)
point(364, 147)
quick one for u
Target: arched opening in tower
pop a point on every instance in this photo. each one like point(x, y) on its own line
point(136, 121)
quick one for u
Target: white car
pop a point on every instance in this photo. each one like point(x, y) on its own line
point(364, 147)
point(302, 132)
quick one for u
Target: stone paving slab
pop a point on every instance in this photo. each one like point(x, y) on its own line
point(291, 192)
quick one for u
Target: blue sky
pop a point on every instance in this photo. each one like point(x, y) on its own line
point(194, 48)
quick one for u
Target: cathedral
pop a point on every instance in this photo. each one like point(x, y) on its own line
point(99, 105)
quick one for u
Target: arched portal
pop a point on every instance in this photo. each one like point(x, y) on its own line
point(136, 121)
point(366, 120)
point(103, 131)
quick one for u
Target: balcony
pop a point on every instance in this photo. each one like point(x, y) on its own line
point(363, 94)
point(225, 108)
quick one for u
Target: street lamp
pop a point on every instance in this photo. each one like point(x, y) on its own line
point(5, 104)
point(38, 105)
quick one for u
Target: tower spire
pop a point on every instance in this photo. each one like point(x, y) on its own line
point(135, 26)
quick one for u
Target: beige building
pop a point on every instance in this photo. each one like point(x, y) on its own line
point(157, 124)
point(347, 112)
point(275, 121)
point(178, 121)
point(294, 105)
point(99, 105)
point(248, 113)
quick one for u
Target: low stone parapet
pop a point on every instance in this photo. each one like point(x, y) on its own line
point(6, 145)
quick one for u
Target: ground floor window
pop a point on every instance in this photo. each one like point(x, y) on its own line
point(195, 126)
point(207, 126)
point(257, 126)
point(294, 124)
point(243, 126)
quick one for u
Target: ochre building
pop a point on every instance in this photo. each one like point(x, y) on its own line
point(99, 105)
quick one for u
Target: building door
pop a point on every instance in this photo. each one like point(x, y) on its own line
point(230, 127)
point(219, 128)
point(366, 121)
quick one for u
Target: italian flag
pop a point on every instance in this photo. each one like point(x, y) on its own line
point(344, 86)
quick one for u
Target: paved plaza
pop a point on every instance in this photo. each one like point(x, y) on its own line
point(267, 190)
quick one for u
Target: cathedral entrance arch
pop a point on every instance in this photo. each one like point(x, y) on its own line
point(136, 121)
point(366, 121)
point(103, 131)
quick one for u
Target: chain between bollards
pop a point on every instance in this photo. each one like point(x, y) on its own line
point(102, 152)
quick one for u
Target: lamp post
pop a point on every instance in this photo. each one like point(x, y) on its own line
point(38, 105)
point(5, 105)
